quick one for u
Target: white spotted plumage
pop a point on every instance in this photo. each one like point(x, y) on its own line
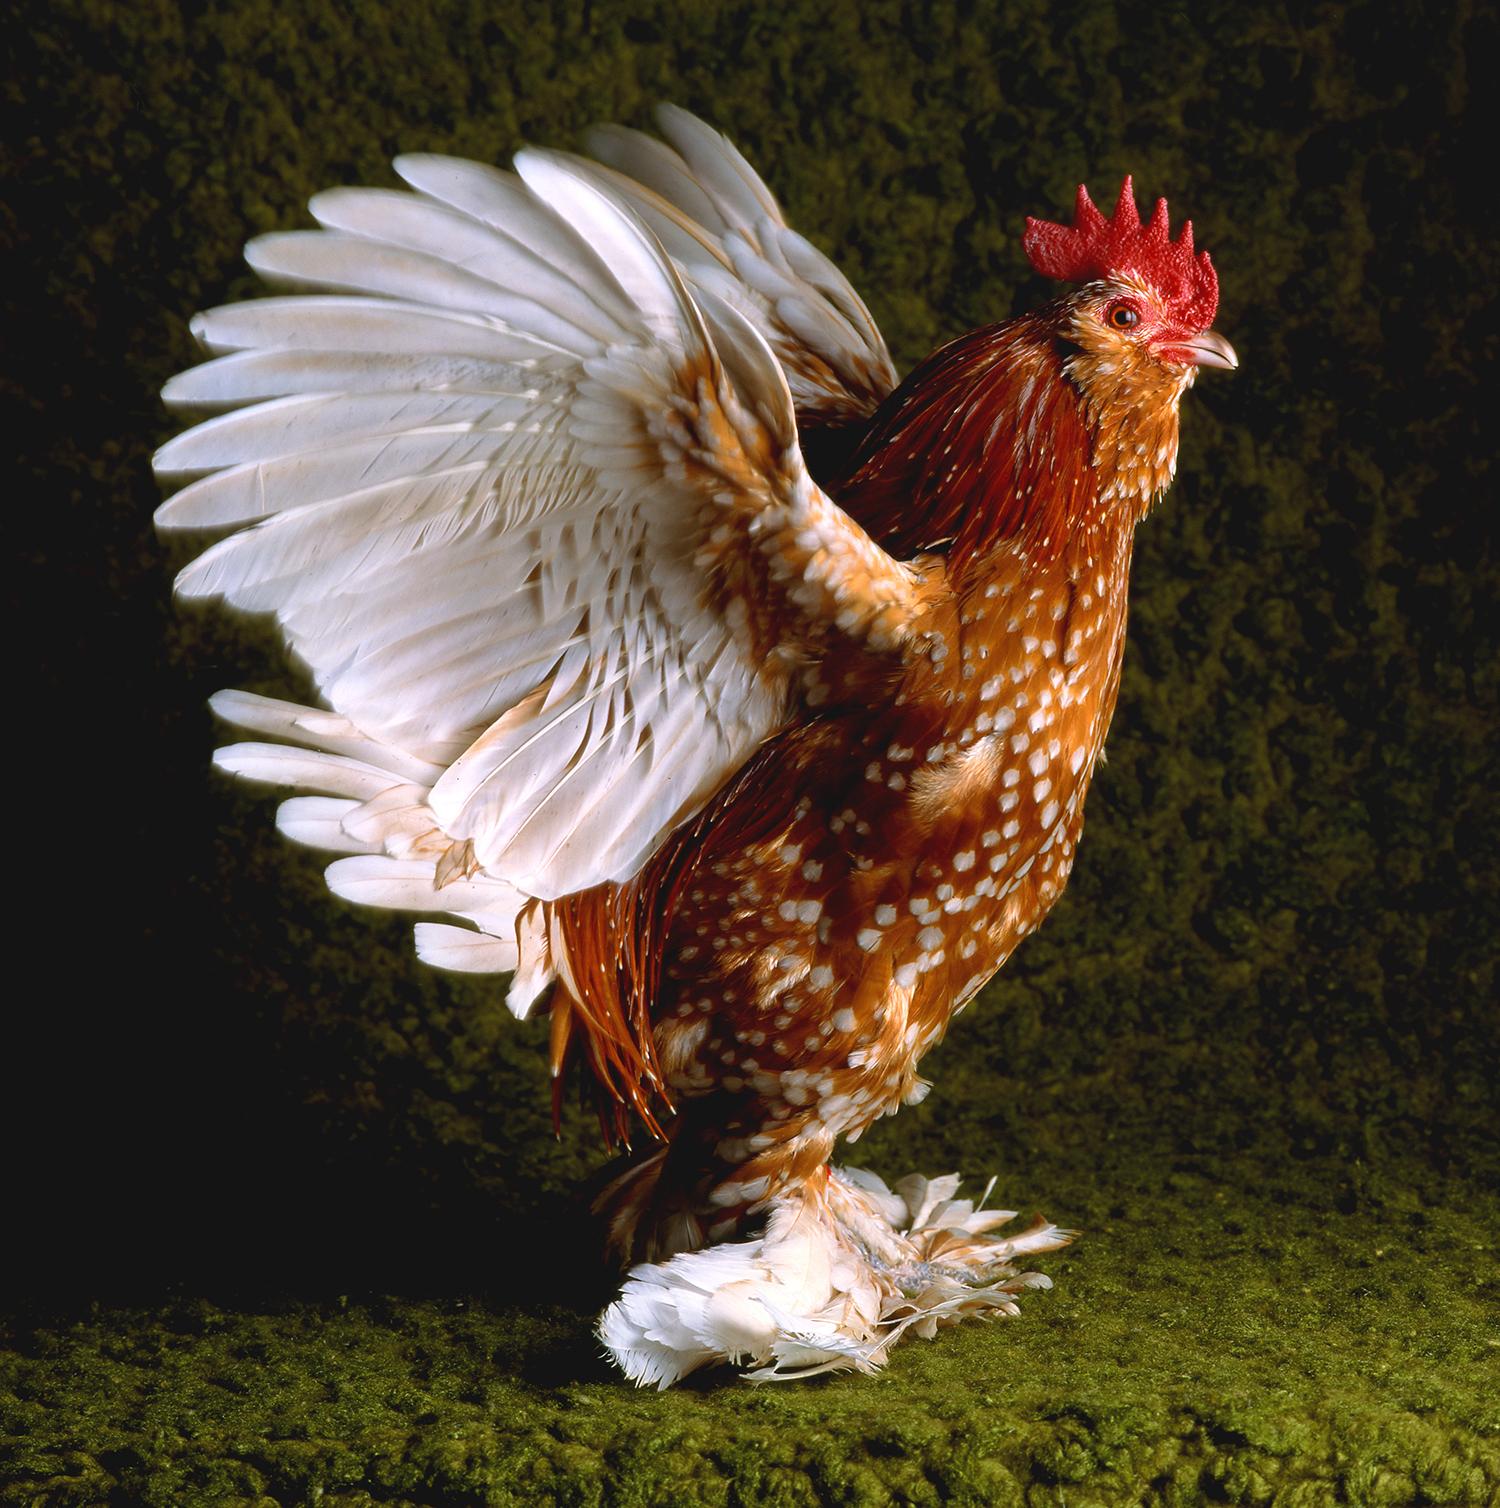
point(750, 784)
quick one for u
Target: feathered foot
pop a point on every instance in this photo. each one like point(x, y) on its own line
point(845, 1269)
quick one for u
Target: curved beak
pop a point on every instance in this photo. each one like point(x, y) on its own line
point(1209, 349)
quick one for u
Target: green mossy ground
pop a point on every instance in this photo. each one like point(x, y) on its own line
point(1206, 1345)
point(1218, 1338)
point(290, 1222)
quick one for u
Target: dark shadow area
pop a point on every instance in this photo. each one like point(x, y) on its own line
point(168, 1132)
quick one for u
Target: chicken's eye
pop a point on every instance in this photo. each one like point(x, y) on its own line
point(1123, 316)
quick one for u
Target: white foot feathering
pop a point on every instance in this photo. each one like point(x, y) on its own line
point(845, 1269)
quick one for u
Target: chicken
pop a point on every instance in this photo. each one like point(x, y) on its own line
point(750, 763)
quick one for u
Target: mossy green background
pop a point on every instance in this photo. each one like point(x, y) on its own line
point(287, 1216)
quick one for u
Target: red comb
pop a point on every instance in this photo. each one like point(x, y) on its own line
point(1093, 247)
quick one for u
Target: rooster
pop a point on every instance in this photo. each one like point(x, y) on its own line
point(736, 701)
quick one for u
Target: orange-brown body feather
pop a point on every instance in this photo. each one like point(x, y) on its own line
point(772, 979)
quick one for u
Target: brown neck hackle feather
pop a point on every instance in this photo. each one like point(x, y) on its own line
point(1022, 435)
point(983, 442)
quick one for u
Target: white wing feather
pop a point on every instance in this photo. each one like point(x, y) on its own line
point(727, 232)
point(487, 478)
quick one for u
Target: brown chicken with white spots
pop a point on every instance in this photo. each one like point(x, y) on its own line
point(738, 702)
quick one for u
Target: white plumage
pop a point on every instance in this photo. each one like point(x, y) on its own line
point(459, 484)
point(840, 1275)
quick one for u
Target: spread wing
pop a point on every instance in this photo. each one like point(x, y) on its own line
point(727, 234)
point(533, 514)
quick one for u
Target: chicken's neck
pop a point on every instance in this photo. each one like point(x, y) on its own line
point(1027, 462)
point(1010, 439)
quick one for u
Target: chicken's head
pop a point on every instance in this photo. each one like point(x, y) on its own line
point(1146, 299)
